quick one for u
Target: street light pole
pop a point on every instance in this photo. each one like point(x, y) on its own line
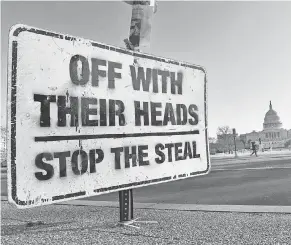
point(234, 137)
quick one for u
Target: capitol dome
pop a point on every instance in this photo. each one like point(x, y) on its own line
point(272, 120)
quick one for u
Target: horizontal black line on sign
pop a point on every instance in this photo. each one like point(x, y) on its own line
point(76, 194)
point(109, 136)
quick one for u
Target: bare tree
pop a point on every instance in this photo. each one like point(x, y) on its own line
point(223, 130)
point(212, 140)
point(244, 142)
point(225, 137)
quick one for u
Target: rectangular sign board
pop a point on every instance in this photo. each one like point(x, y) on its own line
point(87, 118)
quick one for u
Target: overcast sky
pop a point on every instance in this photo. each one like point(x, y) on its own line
point(244, 46)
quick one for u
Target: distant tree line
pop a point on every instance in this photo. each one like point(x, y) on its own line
point(225, 141)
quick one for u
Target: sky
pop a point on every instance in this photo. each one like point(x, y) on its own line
point(245, 48)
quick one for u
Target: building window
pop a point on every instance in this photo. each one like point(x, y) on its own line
point(266, 135)
point(278, 134)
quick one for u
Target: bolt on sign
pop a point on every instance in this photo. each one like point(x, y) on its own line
point(87, 118)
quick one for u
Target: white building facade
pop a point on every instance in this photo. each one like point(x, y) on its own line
point(272, 135)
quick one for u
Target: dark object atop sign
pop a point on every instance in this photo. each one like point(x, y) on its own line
point(138, 2)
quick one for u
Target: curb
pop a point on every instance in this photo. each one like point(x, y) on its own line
point(246, 160)
point(247, 157)
point(189, 207)
point(183, 207)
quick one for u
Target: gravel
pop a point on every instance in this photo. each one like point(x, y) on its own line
point(68, 224)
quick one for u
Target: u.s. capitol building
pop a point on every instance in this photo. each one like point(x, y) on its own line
point(273, 134)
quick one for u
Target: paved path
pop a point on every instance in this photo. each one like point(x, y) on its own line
point(265, 182)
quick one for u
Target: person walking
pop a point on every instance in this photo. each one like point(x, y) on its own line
point(254, 148)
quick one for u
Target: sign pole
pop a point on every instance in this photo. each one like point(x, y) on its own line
point(126, 205)
point(140, 29)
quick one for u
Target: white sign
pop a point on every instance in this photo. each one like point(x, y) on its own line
point(87, 118)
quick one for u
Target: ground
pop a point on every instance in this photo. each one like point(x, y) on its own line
point(184, 211)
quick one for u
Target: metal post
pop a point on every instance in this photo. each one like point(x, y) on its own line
point(138, 21)
point(126, 205)
point(235, 152)
point(234, 137)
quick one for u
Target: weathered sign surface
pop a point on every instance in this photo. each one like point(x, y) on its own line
point(87, 118)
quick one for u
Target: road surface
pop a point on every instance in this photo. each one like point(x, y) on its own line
point(254, 183)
